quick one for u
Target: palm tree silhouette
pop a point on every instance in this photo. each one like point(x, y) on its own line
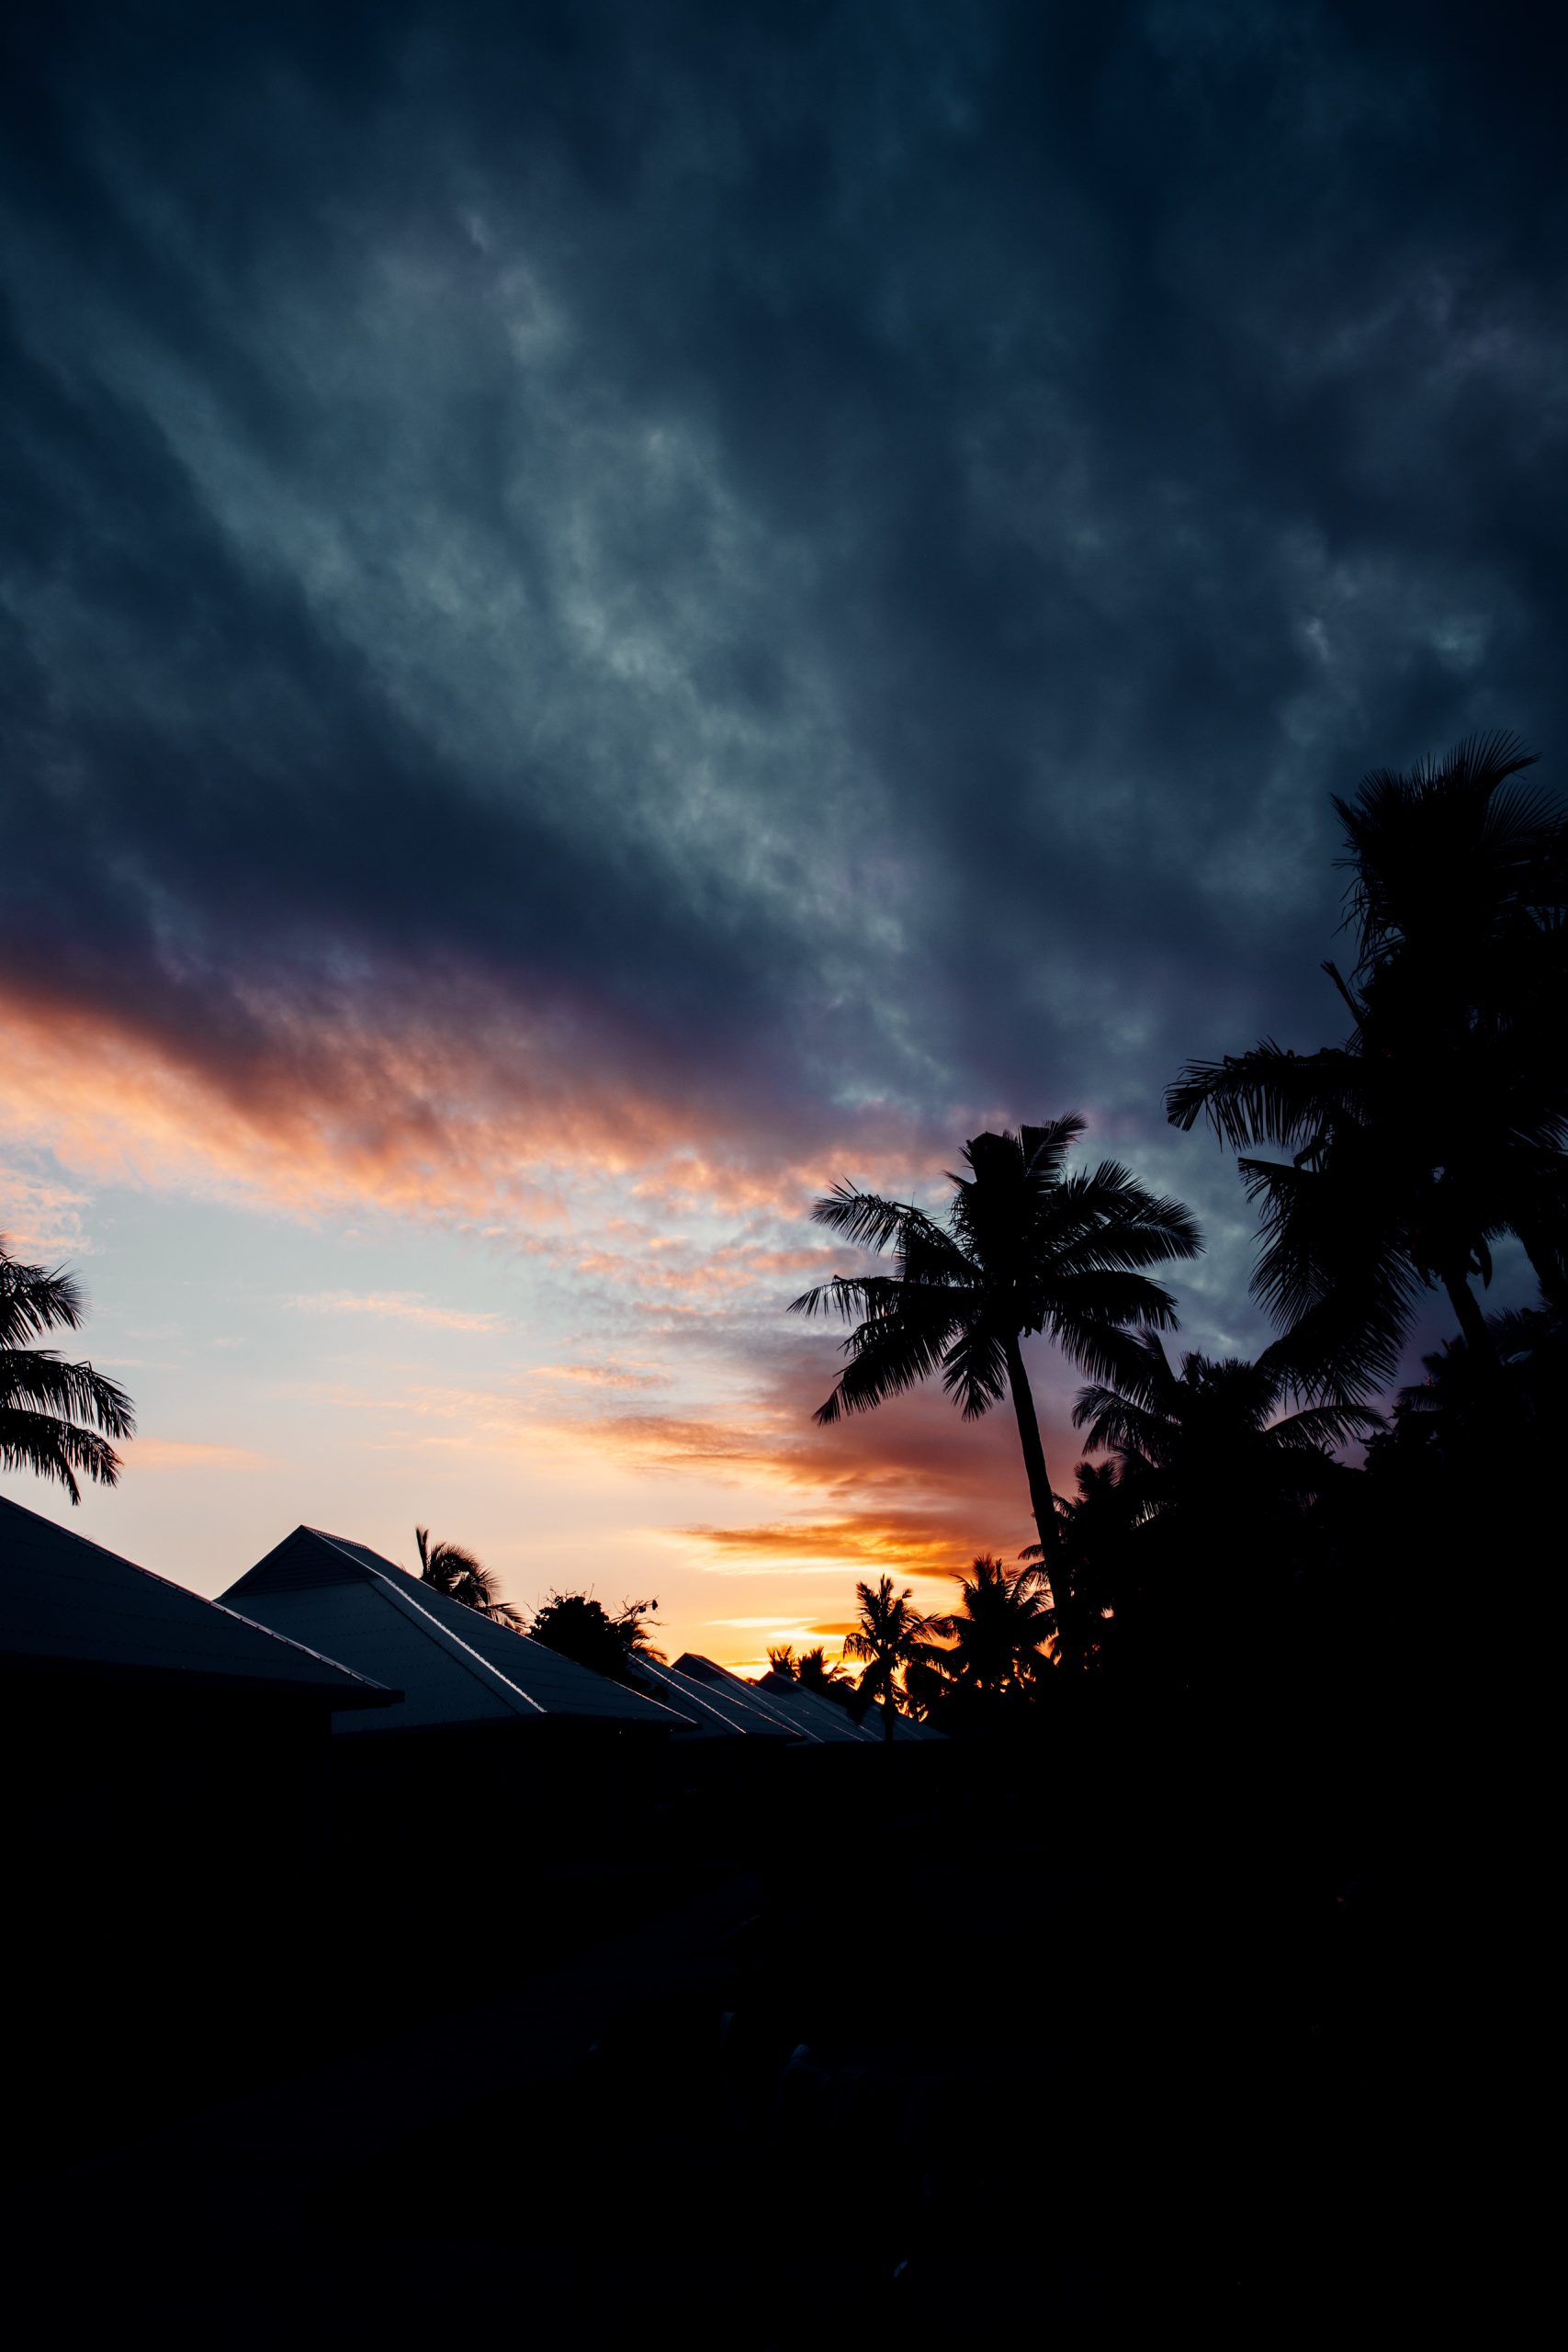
point(55, 1417)
point(1467, 1418)
point(456, 1572)
point(1099, 1531)
point(1001, 1628)
point(1211, 1440)
point(891, 1636)
point(1024, 1248)
point(812, 1672)
point(1439, 1124)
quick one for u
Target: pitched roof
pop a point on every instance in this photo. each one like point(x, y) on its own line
point(711, 1710)
point(817, 1722)
point(452, 1665)
point(68, 1605)
point(805, 1706)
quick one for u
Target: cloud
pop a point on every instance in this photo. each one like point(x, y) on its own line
point(183, 1454)
point(41, 1215)
point(652, 610)
point(402, 1306)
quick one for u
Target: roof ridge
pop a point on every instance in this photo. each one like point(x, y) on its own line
point(350, 1546)
point(406, 1602)
point(119, 1558)
point(255, 1625)
point(660, 1672)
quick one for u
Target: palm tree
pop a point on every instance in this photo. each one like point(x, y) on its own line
point(1098, 1528)
point(456, 1572)
point(1023, 1249)
point(1458, 871)
point(55, 1417)
point(1220, 1484)
point(1211, 1438)
point(812, 1672)
point(1002, 1628)
point(1466, 1418)
point(1439, 1124)
point(892, 1635)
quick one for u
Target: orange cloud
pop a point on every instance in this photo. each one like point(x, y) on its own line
point(421, 1093)
point(182, 1453)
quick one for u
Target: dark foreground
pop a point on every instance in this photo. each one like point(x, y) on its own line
point(1123, 2034)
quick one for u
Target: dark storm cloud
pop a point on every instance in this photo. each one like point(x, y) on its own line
point(833, 554)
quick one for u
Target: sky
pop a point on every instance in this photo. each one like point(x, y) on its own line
point(608, 616)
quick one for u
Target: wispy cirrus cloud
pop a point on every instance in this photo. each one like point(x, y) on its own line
point(162, 1453)
point(400, 1307)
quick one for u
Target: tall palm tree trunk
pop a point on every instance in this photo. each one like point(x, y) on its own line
point(1043, 1501)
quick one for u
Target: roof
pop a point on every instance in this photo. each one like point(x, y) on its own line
point(816, 1722)
point(451, 1665)
point(67, 1605)
point(727, 1711)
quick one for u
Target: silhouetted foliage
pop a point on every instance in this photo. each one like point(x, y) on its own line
point(1213, 1438)
point(55, 1417)
point(1469, 1413)
point(811, 1669)
point(1440, 1123)
point(892, 1635)
point(1024, 1248)
point(1001, 1632)
point(461, 1577)
point(1097, 1528)
point(577, 1626)
point(1214, 1489)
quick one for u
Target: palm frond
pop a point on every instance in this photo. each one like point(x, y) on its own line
point(975, 1370)
point(56, 1449)
point(34, 1300)
point(36, 1376)
point(1270, 1095)
point(865, 1219)
point(891, 1355)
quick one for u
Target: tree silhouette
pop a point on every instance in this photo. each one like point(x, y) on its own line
point(456, 1572)
point(55, 1417)
point(1465, 1417)
point(1099, 1528)
point(1220, 1485)
point(811, 1670)
point(1211, 1435)
point(814, 1672)
point(1001, 1628)
point(1024, 1248)
point(891, 1635)
point(1439, 1124)
point(577, 1626)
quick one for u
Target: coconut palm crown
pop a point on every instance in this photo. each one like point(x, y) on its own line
point(891, 1635)
point(1440, 1125)
point(1212, 1436)
point(454, 1571)
point(56, 1418)
point(1025, 1248)
point(1002, 1629)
